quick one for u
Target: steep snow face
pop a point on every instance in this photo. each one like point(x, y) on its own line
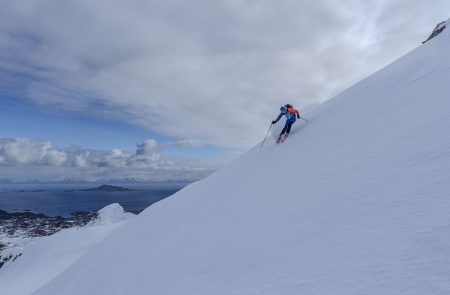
point(356, 201)
point(46, 257)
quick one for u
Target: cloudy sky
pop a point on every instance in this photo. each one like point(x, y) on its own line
point(173, 89)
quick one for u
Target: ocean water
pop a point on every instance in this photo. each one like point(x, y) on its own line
point(63, 199)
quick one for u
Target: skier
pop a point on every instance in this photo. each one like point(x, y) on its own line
point(291, 114)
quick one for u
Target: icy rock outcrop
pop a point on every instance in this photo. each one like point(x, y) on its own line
point(436, 31)
point(9, 255)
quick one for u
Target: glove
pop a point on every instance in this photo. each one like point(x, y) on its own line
point(298, 116)
point(273, 122)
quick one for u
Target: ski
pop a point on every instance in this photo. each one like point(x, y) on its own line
point(281, 139)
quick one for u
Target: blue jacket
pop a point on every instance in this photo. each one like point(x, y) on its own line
point(289, 116)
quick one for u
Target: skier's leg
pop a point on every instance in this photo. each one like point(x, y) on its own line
point(284, 130)
point(289, 125)
point(281, 134)
point(288, 130)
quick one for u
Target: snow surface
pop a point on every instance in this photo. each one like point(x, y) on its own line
point(110, 214)
point(46, 257)
point(357, 201)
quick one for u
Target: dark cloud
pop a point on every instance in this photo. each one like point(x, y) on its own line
point(211, 70)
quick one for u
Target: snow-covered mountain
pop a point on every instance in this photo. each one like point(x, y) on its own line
point(36, 260)
point(356, 201)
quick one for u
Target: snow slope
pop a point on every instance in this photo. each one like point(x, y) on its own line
point(44, 259)
point(357, 201)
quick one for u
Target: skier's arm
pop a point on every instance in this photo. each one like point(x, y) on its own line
point(278, 118)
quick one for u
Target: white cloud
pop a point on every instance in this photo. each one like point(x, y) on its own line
point(55, 157)
point(148, 150)
point(23, 152)
point(28, 159)
point(215, 71)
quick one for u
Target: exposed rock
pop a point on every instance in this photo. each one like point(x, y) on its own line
point(436, 31)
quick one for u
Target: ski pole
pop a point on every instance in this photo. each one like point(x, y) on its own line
point(266, 136)
point(303, 119)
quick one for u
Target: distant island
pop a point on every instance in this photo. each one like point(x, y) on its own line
point(107, 188)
